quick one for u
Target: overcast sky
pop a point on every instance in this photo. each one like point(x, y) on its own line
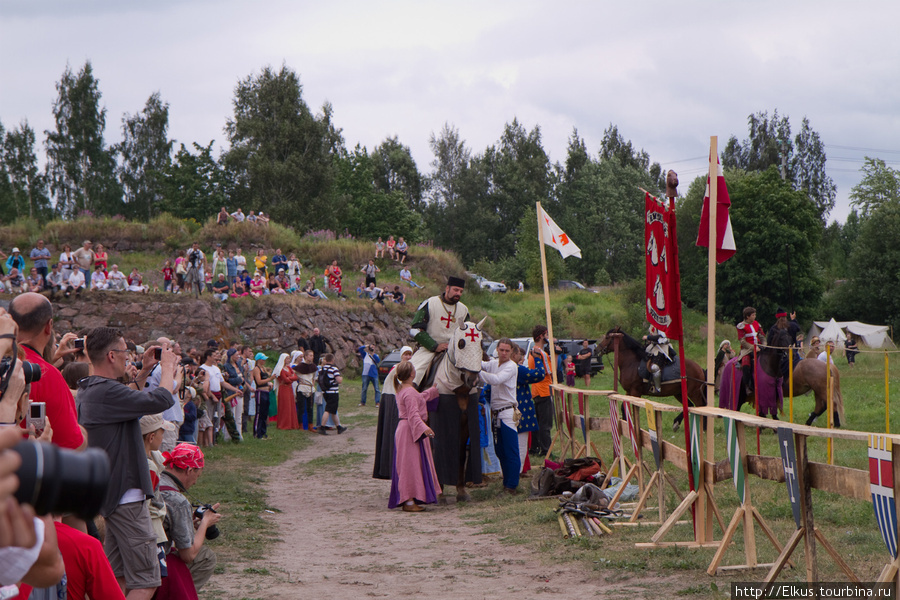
point(668, 74)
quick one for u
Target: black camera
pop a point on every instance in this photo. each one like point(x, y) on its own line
point(138, 364)
point(32, 371)
point(56, 480)
point(79, 343)
point(212, 532)
point(157, 353)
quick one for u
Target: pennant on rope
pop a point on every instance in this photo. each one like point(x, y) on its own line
point(734, 457)
point(581, 414)
point(695, 446)
point(632, 430)
point(789, 462)
point(654, 436)
point(614, 425)
point(881, 482)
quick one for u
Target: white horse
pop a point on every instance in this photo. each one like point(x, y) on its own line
point(456, 443)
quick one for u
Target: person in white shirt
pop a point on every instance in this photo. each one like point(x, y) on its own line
point(98, 279)
point(75, 283)
point(501, 374)
point(406, 276)
point(116, 279)
point(238, 215)
point(827, 355)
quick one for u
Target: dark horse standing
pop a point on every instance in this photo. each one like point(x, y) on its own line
point(628, 361)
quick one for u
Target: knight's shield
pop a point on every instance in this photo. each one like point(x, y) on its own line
point(789, 462)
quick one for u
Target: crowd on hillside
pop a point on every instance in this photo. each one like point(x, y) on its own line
point(151, 406)
point(223, 273)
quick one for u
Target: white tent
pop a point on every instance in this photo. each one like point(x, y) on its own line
point(873, 336)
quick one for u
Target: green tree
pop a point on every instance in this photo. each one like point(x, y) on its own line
point(282, 157)
point(872, 293)
point(800, 161)
point(27, 184)
point(146, 152)
point(371, 212)
point(445, 213)
point(880, 185)
point(194, 185)
point(80, 168)
point(396, 171)
point(8, 208)
point(769, 220)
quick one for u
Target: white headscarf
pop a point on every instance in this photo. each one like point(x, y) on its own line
point(295, 356)
point(282, 360)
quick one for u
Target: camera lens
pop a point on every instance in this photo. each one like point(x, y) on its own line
point(56, 480)
point(32, 371)
point(212, 532)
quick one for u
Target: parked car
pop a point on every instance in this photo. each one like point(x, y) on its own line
point(525, 344)
point(573, 347)
point(486, 284)
point(387, 363)
point(567, 284)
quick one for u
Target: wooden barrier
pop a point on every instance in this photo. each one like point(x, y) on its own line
point(793, 468)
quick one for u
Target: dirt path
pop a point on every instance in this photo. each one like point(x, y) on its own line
point(340, 541)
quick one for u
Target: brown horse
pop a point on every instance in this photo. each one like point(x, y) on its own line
point(809, 375)
point(629, 358)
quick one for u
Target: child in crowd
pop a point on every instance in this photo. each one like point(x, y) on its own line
point(330, 380)
point(187, 431)
point(167, 273)
point(152, 428)
point(207, 278)
point(570, 371)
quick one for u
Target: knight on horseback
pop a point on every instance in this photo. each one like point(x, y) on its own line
point(659, 354)
point(748, 333)
point(434, 323)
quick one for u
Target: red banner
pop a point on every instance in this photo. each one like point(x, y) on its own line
point(661, 256)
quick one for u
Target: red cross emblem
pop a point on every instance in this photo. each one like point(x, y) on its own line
point(449, 320)
point(472, 335)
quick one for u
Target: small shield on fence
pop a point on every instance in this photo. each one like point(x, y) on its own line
point(789, 462)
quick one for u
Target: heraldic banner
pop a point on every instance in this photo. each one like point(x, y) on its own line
point(662, 273)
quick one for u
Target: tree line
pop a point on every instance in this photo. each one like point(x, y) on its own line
point(293, 162)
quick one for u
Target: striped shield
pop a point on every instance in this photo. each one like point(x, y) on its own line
point(734, 457)
point(633, 431)
point(695, 446)
point(881, 482)
point(614, 425)
point(654, 436)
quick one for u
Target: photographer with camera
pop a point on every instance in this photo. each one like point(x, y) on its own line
point(28, 547)
point(111, 412)
point(188, 529)
point(33, 313)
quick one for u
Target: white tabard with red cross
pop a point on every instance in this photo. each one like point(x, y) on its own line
point(443, 319)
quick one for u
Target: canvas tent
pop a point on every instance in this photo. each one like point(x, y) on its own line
point(873, 336)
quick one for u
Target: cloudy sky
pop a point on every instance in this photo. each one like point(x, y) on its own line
point(668, 74)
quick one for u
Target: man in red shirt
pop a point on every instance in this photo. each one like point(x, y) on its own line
point(34, 315)
point(749, 331)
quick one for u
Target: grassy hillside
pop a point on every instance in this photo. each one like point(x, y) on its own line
point(576, 314)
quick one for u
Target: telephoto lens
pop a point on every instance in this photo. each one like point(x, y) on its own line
point(212, 532)
point(56, 481)
point(32, 371)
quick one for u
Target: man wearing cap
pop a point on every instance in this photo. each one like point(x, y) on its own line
point(183, 468)
point(195, 264)
point(434, 323)
point(15, 261)
point(110, 412)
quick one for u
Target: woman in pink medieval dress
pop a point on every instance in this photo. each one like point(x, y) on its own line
point(414, 480)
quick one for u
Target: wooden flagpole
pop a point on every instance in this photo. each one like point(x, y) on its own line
point(540, 214)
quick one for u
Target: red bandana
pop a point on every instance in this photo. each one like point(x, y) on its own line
point(184, 456)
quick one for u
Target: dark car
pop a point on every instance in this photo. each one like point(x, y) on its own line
point(387, 363)
point(573, 347)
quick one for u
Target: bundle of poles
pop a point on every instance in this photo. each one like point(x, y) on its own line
point(577, 520)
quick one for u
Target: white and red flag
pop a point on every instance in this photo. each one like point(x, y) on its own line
point(556, 237)
point(725, 246)
point(663, 294)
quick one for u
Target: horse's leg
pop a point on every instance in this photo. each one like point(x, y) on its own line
point(813, 416)
point(461, 494)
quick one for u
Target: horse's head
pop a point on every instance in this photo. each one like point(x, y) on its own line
point(464, 348)
point(605, 345)
point(778, 339)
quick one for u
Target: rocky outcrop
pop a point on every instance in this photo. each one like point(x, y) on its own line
point(269, 324)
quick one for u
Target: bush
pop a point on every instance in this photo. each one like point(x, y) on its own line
point(247, 235)
point(22, 232)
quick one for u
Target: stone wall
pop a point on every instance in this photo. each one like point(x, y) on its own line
point(268, 324)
